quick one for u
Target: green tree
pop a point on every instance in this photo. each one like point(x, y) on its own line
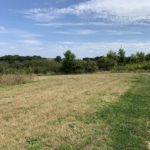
point(69, 62)
point(140, 56)
point(147, 57)
point(112, 55)
point(58, 59)
point(121, 56)
point(133, 59)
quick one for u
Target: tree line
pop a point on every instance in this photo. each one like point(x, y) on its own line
point(70, 64)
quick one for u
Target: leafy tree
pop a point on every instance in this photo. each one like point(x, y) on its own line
point(121, 56)
point(58, 59)
point(97, 58)
point(112, 55)
point(140, 56)
point(68, 64)
point(133, 59)
point(147, 57)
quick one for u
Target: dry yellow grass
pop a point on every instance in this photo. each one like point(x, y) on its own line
point(14, 79)
point(51, 109)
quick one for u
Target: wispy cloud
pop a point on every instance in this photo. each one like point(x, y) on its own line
point(77, 32)
point(117, 32)
point(17, 32)
point(19, 36)
point(122, 11)
point(92, 49)
point(56, 24)
point(81, 49)
point(90, 32)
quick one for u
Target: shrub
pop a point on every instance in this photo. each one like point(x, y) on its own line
point(79, 66)
point(106, 63)
point(134, 67)
point(90, 66)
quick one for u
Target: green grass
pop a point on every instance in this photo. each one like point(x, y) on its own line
point(33, 143)
point(129, 118)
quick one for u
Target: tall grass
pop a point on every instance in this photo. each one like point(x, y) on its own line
point(15, 79)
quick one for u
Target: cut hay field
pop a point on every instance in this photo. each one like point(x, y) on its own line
point(103, 111)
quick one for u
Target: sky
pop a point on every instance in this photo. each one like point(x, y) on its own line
point(87, 27)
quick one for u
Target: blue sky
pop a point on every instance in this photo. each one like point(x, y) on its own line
point(87, 27)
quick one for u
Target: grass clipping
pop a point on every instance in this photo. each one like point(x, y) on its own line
point(15, 79)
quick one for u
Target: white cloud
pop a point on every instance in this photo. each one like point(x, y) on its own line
point(18, 33)
point(18, 38)
point(122, 11)
point(90, 32)
point(92, 49)
point(59, 24)
point(78, 32)
point(21, 35)
point(81, 49)
point(77, 24)
point(117, 32)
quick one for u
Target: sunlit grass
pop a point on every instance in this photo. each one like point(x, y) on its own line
point(62, 112)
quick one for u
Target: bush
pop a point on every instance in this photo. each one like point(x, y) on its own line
point(79, 66)
point(134, 67)
point(90, 66)
point(106, 63)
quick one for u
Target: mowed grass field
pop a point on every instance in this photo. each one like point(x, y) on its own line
point(103, 111)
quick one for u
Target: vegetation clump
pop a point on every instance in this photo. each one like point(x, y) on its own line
point(70, 64)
